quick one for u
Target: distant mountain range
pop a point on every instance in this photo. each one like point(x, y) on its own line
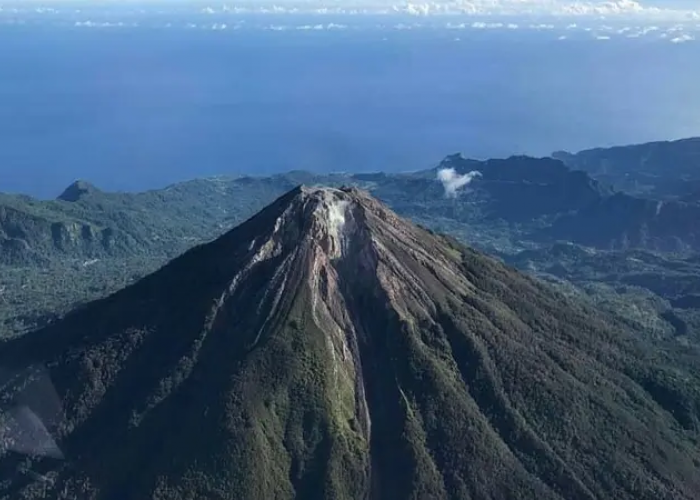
point(662, 170)
point(89, 242)
point(524, 193)
point(327, 348)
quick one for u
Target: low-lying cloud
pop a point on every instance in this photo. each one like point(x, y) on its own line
point(453, 182)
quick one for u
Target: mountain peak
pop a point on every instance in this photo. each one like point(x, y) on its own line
point(339, 237)
point(78, 190)
point(321, 214)
point(331, 219)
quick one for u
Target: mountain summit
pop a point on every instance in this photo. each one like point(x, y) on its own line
point(77, 190)
point(328, 349)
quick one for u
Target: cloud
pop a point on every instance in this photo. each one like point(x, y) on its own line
point(452, 181)
point(483, 25)
point(683, 39)
point(561, 8)
point(99, 24)
point(565, 8)
point(614, 7)
point(495, 15)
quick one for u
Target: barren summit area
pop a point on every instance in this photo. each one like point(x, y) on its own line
point(328, 349)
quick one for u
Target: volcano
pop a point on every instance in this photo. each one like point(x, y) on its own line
point(328, 349)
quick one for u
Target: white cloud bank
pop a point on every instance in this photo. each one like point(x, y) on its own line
point(601, 19)
point(557, 8)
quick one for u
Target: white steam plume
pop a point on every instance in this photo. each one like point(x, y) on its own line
point(452, 181)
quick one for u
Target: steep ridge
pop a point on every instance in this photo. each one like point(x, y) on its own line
point(327, 348)
point(521, 188)
point(661, 169)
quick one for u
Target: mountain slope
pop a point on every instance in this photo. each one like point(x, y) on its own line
point(623, 222)
point(328, 349)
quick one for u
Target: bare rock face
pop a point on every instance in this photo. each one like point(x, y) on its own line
point(327, 348)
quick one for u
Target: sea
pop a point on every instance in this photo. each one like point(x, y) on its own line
point(138, 107)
